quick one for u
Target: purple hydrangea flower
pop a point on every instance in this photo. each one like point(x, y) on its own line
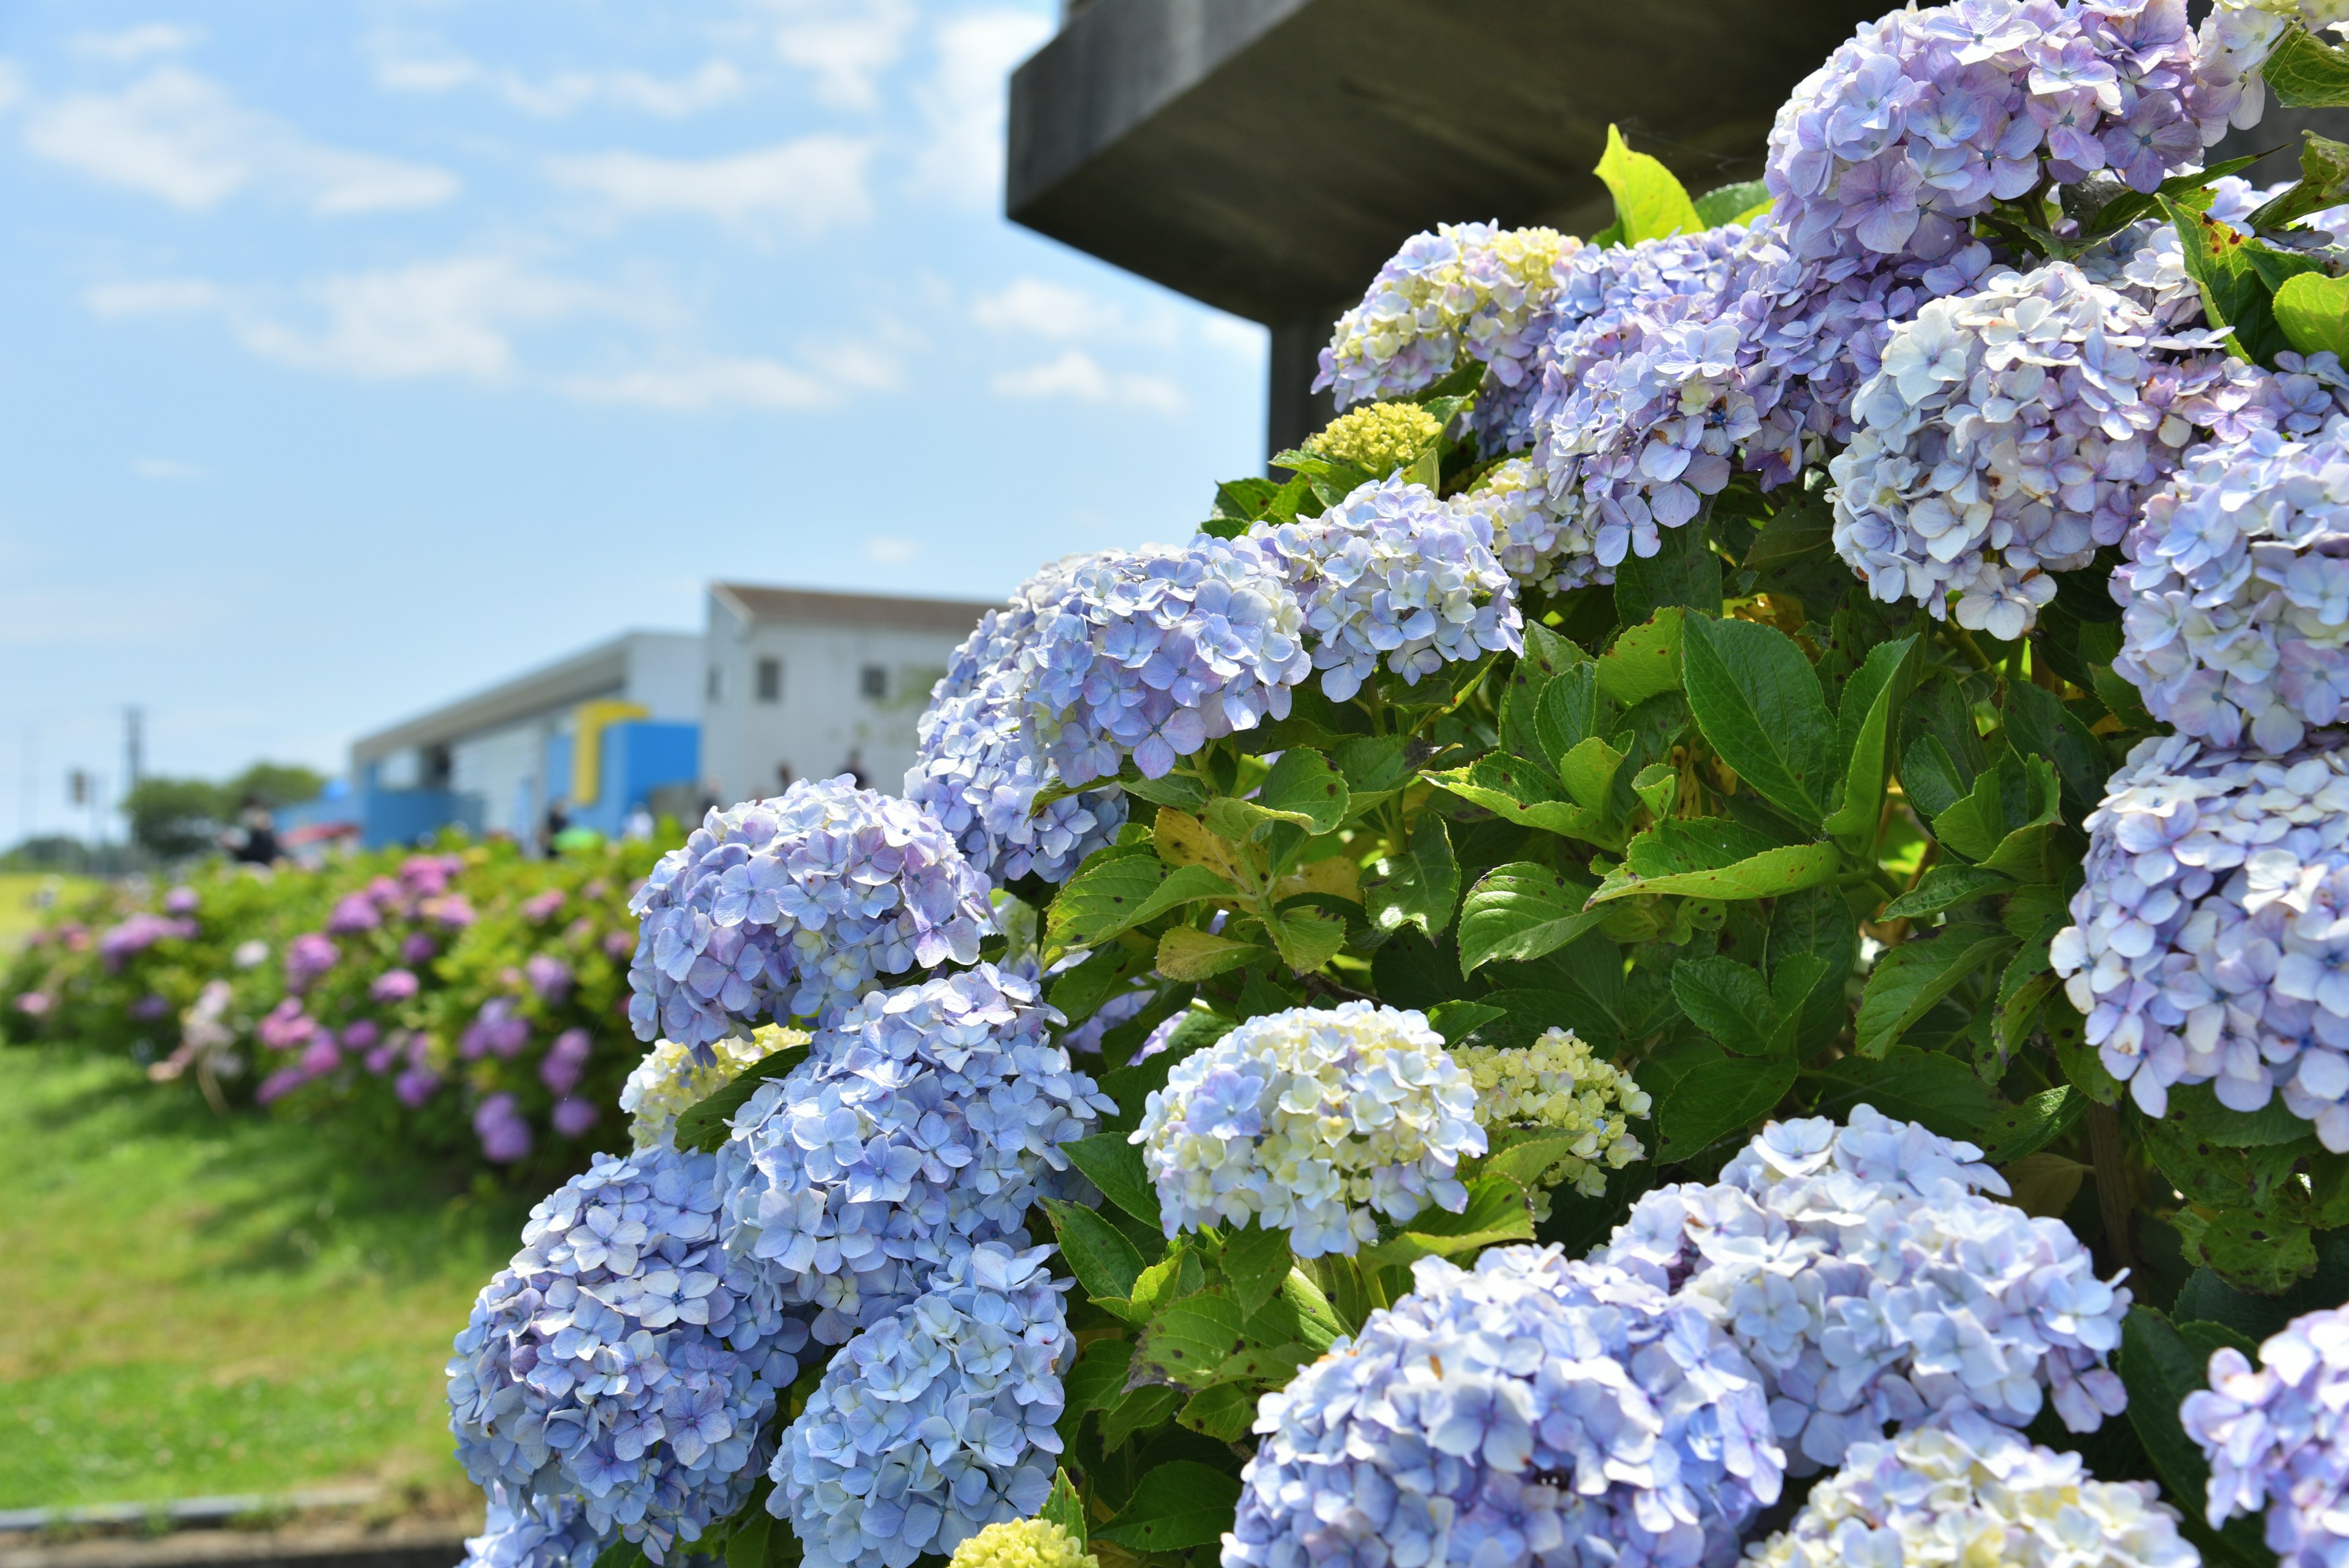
point(2276, 1438)
point(307, 957)
point(565, 1061)
point(498, 1123)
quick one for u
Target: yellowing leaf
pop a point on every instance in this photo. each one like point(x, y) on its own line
point(1650, 202)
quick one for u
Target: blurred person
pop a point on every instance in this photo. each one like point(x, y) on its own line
point(558, 822)
point(854, 767)
point(638, 827)
point(253, 841)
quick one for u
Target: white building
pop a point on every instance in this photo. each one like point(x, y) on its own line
point(806, 685)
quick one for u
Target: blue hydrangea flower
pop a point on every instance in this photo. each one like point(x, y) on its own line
point(2012, 430)
point(623, 1361)
point(930, 1119)
point(2277, 1437)
point(1926, 117)
point(975, 769)
point(936, 1421)
point(523, 1531)
point(793, 906)
point(1535, 1410)
point(1392, 572)
point(2207, 944)
point(1537, 546)
point(2237, 590)
point(1965, 1489)
point(1870, 1282)
point(1154, 653)
point(1308, 1120)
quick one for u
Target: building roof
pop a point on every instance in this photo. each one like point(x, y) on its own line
point(598, 671)
point(754, 603)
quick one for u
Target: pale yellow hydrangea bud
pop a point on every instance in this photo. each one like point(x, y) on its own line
point(1377, 437)
point(1023, 1543)
point(1557, 1085)
point(669, 1082)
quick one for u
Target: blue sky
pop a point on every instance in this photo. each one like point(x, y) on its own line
point(354, 356)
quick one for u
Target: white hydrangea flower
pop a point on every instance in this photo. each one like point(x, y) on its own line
point(1557, 1085)
point(1537, 547)
point(669, 1082)
point(1307, 1121)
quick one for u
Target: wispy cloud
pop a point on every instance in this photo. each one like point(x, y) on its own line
point(815, 183)
point(1037, 308)
point(888, 552)
point(12, 86)
point(1078, 376)
point(845, 47)
point(962, 103)
point(706, 384)
point(434, 69)
point(182, 139)
point(140, 43)
point(154, 296)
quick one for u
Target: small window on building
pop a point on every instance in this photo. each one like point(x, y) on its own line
point(714, 687)
point(874, 683)
point(770, 681)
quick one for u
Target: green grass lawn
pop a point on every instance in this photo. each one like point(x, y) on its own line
point(19, 915)
point(203, 1306)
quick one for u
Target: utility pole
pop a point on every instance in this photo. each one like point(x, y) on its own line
point(133, 747)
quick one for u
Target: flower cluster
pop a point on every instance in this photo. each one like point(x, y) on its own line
point(1391, 573)
point(976, 769)
point(1557, 1086)
point(119, 944)
point(2276, 1438)
point(1964, 1490)
point(2010, 433)
point(930, 1120)
point(1155, 652)
point(669, 1081)
point(2237, 592)
point(1023, 1543)
point(1533, 1411)
point(794, 906)
point(1307, 1121)
point(1537, 548)
point(623, 1359)
point(1471, 287)
point(2207, 944)
point(1378, 438)
point(1870, 1282)
point(525, 1531)
point(1928, 117)
point(936, 1421)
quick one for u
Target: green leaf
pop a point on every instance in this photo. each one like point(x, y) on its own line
point(1455, 1021)
point(1255, 1261)
point(1729, 1000)
point(1304, 787)
point(1101, 899)
point(1650, 202)
point(1063, 1507)
point(1864, 733)
point(2304, 73)
point(1758, 700)
point(1587, 773)
point(1419, 886)
point(2323, 181)
point(1307, 938)
point(1526, 1162)
point(2021, 1130)
point(1224, 1412)
point(707, 1123)
point(1185, 952)
point(1521, 911)
point(2018, 793)
point(1657, 785)
point(1929, 1088)
point(1683, 571)
point(2160, 1367)
point(1374, 768)
point(1645, 660)
point(1267, 1364)
point(1187, 1340)
point(1909, 980)
point(1714, 858)
point(2313, 311)
point(2238, 278)
point(1104, 1261)
point(1701, 1094)
point(1497, 1211)
point(1571, 712)
point(1175, 1506)
point(1097, 1382)
point(1114, 1165)
point(2022, 990)
point(1817, 922)
point(747, 1546)
point(1930, 778)
point(1144, 1407)
point(1730, 204)
point(1515, 791)
point(2197, 1107)
point(1796, 532)
point(1945, 887)
point(2038, 725)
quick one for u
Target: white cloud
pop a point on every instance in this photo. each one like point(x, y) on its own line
point(1233, 335)
point(178, 137)
point(12, 86)
point(1077, 375)
point(889, 552)
point(815, 182)
point(963, 102)
point(138, 43)
point(845, 47)
point(706, 384)
point(152, 297)
point(450, 318)
point(1040, 308)
point(433, 70)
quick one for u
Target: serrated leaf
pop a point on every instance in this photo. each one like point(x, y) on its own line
point(1758, 700)
point(2038, 725)
point(1097, 1382)
point(1517, 792)
point(1657, 785)
point(1864, 734)
point(2305, 73)
point(747, 1546)
point(2029, 1126)
point(1714, 858)
point(1114, 1165)
point(1175, 1506)
point(1730, 204)
point(1930, 778)
point(2237, 290)
point(1701, 1094)
point(1307, 938)
point(2019, 792)
point(1064, 1508)
point(1102, 897)
point(1929, 1088)
point(1683, 571)
point(2313, 311)
point(1255, 1261)
point(1945, 887)
point(1419, 886)
point(1265, 1363)
point(1187, 1339)
point(707, 1123)
point(1304, 787)
point(1644, 661)
point(1455, 1021)
point(1909, 980)
point(1572, 710)
point(1649, 201)
point(2252, 1250)
point(1182, 839)
point(1497, 1211)
point(2043, 1185)
point(1587, 772)
point(2023, 991)
point(1521, 911)
point(1104, 1261)
point(1185, 952)
point(1526, 1161)
point(1729, 1000)
point(1224, 1412)
point(1142, 1408)
point(2160, 1367)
